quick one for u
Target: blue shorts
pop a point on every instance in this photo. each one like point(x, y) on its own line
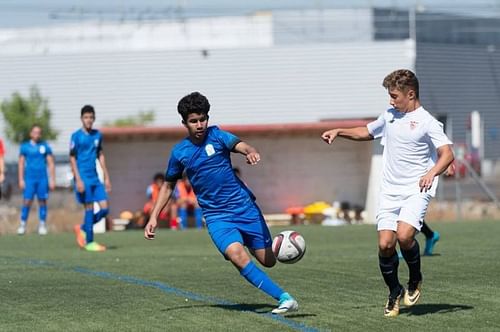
point(94, 192)
point(40, 188)
point(249, 229)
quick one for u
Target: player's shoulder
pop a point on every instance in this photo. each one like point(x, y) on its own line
point(182, 145)
point(426, 116)
point(95, 132)
point(76, 133)
point(214, 130)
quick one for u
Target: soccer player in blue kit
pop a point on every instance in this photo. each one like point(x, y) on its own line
point(35, 156)
point(232, 217)
point(85, 149)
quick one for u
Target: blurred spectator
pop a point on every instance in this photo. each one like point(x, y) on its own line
point(185, 202)
point(168, 214)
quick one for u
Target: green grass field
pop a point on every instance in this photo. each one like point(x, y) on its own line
point(179, 282)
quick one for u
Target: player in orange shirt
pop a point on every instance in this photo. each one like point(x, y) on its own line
point(186, 201)
point(152, 193)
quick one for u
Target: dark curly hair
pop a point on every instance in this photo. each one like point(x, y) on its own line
point(194, 102)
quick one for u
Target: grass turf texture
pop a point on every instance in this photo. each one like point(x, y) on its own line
point(179, 282)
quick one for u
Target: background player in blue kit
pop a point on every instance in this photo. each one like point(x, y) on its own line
point(232, 217)
point(85, 149)
point(34, 157)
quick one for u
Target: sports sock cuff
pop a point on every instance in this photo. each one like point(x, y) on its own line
point(248, 269)
point(412, 253)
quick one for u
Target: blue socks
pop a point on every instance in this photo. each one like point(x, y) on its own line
point(259, 279)
point(88, 224)
point(198, 216)
point(100, 214)
point(183, 215)
point(42, 213)
point(25, 212)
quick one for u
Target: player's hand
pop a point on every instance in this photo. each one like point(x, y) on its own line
point(52, 185)
point(80, 187)
point(149, 230)
point(22, 185)
point(107, 185)
point(425, 182)
point(329, 135)
point(253, 158)
point(2, 177)
point(450, 171)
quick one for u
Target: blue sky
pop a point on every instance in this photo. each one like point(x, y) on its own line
point(30, 13)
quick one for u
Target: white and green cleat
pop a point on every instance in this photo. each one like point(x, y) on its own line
point(286, 304)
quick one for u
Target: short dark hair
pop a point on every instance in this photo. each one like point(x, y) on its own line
point(403, 80)
point(36, 125)
point(159, 176)
point(87, 109)
point(194, 102)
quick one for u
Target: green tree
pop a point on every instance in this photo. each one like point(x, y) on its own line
point(22, 113)
point(141, 119)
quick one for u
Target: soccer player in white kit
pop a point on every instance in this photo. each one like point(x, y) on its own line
point(416, 152)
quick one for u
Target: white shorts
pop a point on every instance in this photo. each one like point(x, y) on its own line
point(409, 209)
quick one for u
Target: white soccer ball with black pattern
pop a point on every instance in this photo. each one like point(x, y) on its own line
point(289, 247)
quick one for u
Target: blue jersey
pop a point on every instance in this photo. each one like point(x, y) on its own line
point(86, 147)
point(208, 166)
point(35, 159)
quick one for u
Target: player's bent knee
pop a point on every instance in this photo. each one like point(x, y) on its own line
point(386, 246)
point(237, 255)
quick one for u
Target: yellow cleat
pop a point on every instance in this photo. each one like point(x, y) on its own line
point(94, 246)
point(413, 293)
point(392, 306)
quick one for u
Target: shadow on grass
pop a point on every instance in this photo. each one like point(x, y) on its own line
point(256, 308)
point(435, 308)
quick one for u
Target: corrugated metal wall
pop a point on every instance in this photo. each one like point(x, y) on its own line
point(286, 84)
point(458, 79)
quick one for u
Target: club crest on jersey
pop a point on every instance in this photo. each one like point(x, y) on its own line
point(209, 149)
point(413, 124)
point(42, 149)
point(96, 142)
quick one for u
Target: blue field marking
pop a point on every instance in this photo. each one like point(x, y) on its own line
point(164, 288)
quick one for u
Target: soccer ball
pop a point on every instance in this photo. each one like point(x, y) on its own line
point(289, 247)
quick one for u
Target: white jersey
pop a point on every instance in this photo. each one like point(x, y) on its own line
point(410, 142)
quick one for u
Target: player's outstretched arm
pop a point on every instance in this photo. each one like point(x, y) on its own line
point(252, 155)
point(355, 134)
point(164, 196)
point(445, 158)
